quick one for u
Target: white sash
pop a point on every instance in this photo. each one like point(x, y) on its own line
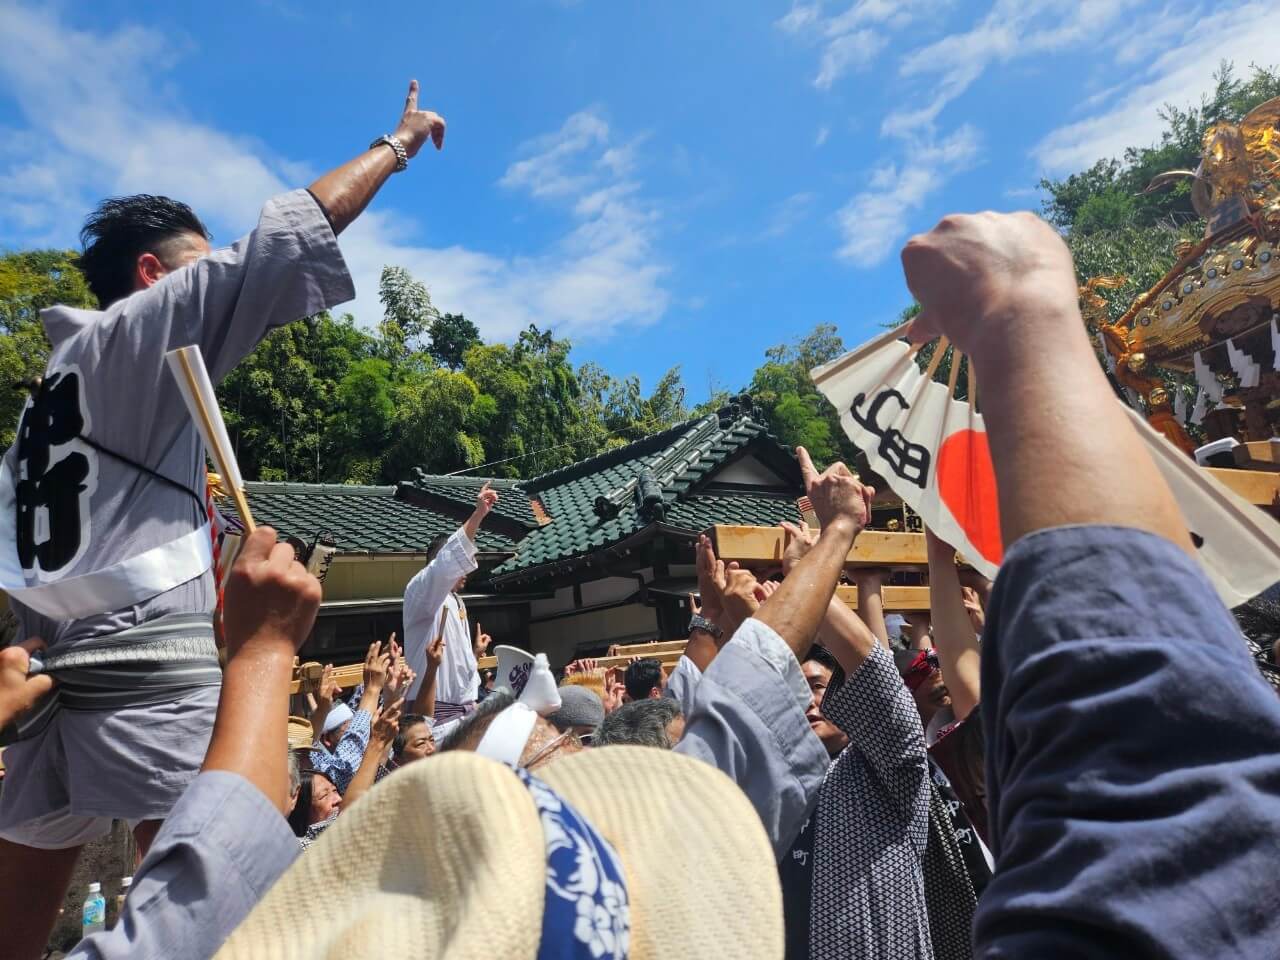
point(120, 585)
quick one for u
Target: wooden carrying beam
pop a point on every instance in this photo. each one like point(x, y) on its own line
point(1258, 487)
point(763, 546)
point(306, 676)
point(896, 599)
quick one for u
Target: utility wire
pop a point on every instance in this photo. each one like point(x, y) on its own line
point(558, 446)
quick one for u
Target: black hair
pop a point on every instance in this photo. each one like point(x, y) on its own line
point(436, 545)
point(471, 728)
point(820, 654)
point(401, 740)
point(641, 677)
point(300, 818)
point(120, 230)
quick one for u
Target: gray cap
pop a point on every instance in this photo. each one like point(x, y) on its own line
point(579, 707)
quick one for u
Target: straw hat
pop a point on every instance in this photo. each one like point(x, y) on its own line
point(300, 733)
point(447, 858)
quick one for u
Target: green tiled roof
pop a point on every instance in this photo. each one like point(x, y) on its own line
point(513, 502)
point(681, 461)
point(362, 519)
point(703, 510)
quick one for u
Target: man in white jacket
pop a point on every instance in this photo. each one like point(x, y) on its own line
point(432, 608)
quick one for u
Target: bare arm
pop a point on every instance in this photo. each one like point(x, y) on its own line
point(1002, 287)
point(271, 603)
point(871, 603)
point(843, 506)
point(347, 190)
point(486, 500)
point(425, 702)
point(848, 639)
point(385, 727)
point(953, 634)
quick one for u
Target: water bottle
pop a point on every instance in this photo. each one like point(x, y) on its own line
point(125, 884)
point(95, 910)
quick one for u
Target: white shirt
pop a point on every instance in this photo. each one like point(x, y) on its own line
point(430, 607)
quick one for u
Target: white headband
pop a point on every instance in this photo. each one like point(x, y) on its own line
point(338, 714)
point(507, 735)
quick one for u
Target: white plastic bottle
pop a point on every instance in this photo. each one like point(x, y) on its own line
point(125, 884)
point(95, 910)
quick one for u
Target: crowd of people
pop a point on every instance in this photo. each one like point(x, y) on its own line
point(1081, 759)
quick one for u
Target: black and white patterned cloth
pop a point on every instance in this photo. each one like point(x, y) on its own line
point(862, 852)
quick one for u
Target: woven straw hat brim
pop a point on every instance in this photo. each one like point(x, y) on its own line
point(300, 733)
point(444, 859)
point(700, 870)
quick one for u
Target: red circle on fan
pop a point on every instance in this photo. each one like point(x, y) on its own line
point(967, 485)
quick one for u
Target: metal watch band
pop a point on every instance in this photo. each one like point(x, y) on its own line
point(402, 157)
point(699, 622)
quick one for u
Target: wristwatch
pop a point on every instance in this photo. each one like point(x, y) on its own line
point(402, 158)
point(699, 622)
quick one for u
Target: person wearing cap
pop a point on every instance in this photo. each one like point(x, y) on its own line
point(433, 611)
point(581, 712)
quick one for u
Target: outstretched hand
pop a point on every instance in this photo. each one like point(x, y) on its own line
point(417, 126)
point(838, 497)
point(18, 690)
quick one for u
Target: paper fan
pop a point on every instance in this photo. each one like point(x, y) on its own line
point(931, 448)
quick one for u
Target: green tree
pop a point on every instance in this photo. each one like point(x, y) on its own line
point(29, 282)
point(408, 313)
point(452, 335)
point(798, 414)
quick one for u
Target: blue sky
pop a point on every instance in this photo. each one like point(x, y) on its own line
point(662, 182)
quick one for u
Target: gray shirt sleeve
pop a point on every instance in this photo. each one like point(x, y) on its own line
point(288, 267)
point(219, 852)
point(747, 719)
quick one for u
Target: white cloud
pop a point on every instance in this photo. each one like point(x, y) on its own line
point(854, 50)
point(1011, 30)
point(874, 221)
point(1179, 76)
point(853, 38)
point(787, 215)
point(823, 133)
point(94, 128)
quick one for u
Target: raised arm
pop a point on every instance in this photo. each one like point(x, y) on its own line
point(424, 703)
point(228, 824)
point(953, 634)
point(843, 506)
point(271, 603)
point(486, 500)
point(1002, 287)
point(383, 732)
point(345, 192)
point(871, 602)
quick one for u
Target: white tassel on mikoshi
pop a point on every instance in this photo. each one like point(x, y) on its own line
point(932, 450)
point(1206, 380)
point(1244, 366)
point(1275, 341)
point(1180, 405)
point(1201, 407)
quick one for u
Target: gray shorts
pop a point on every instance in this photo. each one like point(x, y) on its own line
point(65, 785)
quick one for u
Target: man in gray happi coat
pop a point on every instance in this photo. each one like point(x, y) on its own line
point(106, 548)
